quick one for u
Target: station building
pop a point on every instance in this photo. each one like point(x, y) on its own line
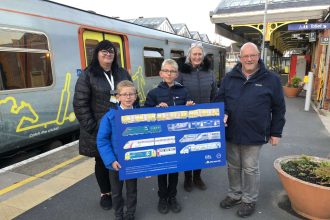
point(294, 42)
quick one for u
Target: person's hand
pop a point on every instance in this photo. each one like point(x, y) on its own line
point(162, 105)
point(190, 103)
point(116, 166)
point(274, 140)
point(225, 119)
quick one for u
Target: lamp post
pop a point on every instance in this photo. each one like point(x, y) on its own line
point(263, 51)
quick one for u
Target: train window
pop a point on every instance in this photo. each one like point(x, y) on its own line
point(24, 60)
point(117, 46)
point(153, 58)
point(210, 58)
point(176, 54)
point(90, 45)
point(21, 39)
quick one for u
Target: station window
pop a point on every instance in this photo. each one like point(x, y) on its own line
point(176, 54)
point(24, 60)
point(153, 58)
point(210, 58)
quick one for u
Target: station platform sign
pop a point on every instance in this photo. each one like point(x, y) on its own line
point(315, 26)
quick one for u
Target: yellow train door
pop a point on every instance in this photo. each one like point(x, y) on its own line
point(92, 38)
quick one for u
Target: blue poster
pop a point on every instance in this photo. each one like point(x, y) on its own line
point(155, 141)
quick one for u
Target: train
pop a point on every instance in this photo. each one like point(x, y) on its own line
point(44, 47)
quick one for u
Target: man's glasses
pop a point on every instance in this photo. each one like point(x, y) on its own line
point(106, 52)
point(128, 94)
point(252, 56)
point(169, 71)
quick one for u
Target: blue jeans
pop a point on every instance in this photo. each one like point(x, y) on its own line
point(243, 171)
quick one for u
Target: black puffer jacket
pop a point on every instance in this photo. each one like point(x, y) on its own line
point(90, 102)
point(200, 82)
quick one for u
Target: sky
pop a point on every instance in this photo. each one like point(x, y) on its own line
point(195, 14)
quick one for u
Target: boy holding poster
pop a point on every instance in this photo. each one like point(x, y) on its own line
point(126, 95)
point(168, 93)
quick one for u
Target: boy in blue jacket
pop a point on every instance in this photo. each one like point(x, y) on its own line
point(126, 95)
point(168, 93)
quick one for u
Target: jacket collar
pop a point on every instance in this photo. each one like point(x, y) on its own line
point(165, 86)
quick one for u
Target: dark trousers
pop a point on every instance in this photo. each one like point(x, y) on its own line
point(102, 176)
point(167, 188)
point(189, 174)
point(117, 196)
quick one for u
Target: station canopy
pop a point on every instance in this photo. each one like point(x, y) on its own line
point(242, 20)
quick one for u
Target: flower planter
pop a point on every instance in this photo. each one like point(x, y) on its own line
point(291, 91)
point(309, 200)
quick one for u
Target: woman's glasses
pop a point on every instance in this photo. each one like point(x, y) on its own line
point(106, 52)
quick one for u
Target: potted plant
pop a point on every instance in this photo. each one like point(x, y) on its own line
point(306, 180)
point(293, 87)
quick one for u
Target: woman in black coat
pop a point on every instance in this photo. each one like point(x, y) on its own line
point(196, 77)
point(94, 95)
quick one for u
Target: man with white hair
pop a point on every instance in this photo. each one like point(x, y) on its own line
point(254, 115)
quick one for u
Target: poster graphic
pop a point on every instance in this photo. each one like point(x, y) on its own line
point(155, 141)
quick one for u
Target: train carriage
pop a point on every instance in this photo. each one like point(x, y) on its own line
point(44, 46)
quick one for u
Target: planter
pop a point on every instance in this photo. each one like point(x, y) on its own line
point(309, 200)
point(291, 91)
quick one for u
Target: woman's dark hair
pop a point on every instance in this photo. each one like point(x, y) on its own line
point(94, 66)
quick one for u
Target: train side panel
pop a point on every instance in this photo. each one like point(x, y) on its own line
point(35, 112)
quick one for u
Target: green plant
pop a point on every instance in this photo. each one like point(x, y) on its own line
point(295, 82)
point(308, 170)
point(323, 173)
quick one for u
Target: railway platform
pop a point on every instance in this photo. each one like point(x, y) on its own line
point(61, 184)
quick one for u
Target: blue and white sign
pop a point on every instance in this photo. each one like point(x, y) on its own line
point(316, 26)
point(157, 141)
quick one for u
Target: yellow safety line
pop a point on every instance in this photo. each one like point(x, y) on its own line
point(32, 178)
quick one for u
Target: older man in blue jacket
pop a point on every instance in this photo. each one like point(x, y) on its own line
point(254, 115)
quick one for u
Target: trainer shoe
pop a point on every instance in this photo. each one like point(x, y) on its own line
point(229, 202)
point(106, 202)
point(246, 209)
point(174, 205)
point(163, 206)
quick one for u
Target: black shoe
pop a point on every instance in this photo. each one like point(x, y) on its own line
point(163, 206)
point(229, 202)
point(199, 183)
point(187, 185)
point(119, 217)
point(106, 202)
point(246, 209)
point(174, 205)
point(129, 217)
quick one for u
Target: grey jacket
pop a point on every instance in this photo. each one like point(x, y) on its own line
point(200, 82)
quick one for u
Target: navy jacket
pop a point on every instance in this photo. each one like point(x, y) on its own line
point(255, 107)
point(175, 95)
